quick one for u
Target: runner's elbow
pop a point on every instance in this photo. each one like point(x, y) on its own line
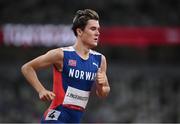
point(106, 90)
point(104, 93)
point(24, 69)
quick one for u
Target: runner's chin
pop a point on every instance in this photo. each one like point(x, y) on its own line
point(94, 43)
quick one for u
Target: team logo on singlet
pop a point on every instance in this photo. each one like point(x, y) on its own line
point(72, 62)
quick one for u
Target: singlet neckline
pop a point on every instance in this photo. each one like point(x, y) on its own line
point(81, 56)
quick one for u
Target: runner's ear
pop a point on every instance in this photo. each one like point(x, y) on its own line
point(79, 31)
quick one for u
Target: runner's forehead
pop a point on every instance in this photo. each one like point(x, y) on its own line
point(93, 23)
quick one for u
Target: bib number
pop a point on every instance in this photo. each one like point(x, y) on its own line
point(52, 115)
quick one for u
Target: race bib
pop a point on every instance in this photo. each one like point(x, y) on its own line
point(52, 115)
point(76, 97)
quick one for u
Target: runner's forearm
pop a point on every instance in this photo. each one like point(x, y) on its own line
point(31, 76)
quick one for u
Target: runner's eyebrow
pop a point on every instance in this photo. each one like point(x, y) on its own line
point(94, 27)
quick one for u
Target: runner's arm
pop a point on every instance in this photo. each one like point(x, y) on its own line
point(29, 71)
point(102, 84)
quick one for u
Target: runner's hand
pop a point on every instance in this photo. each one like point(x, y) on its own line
point(101, 77)
point(46, 95)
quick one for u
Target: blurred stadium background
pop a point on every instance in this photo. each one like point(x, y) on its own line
point(140, 38)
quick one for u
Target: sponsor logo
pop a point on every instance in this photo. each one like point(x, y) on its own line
point(95, 64)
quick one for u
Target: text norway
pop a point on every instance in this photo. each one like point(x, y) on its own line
point(84, 75)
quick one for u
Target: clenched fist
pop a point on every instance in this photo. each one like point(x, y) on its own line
point(101, 77)
point(102, 86)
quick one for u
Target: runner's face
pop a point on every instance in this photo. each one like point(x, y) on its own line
point(90, 34)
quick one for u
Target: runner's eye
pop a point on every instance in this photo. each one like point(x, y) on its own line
point(93, 28)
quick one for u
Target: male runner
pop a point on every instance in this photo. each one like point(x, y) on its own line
point(75, 69)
